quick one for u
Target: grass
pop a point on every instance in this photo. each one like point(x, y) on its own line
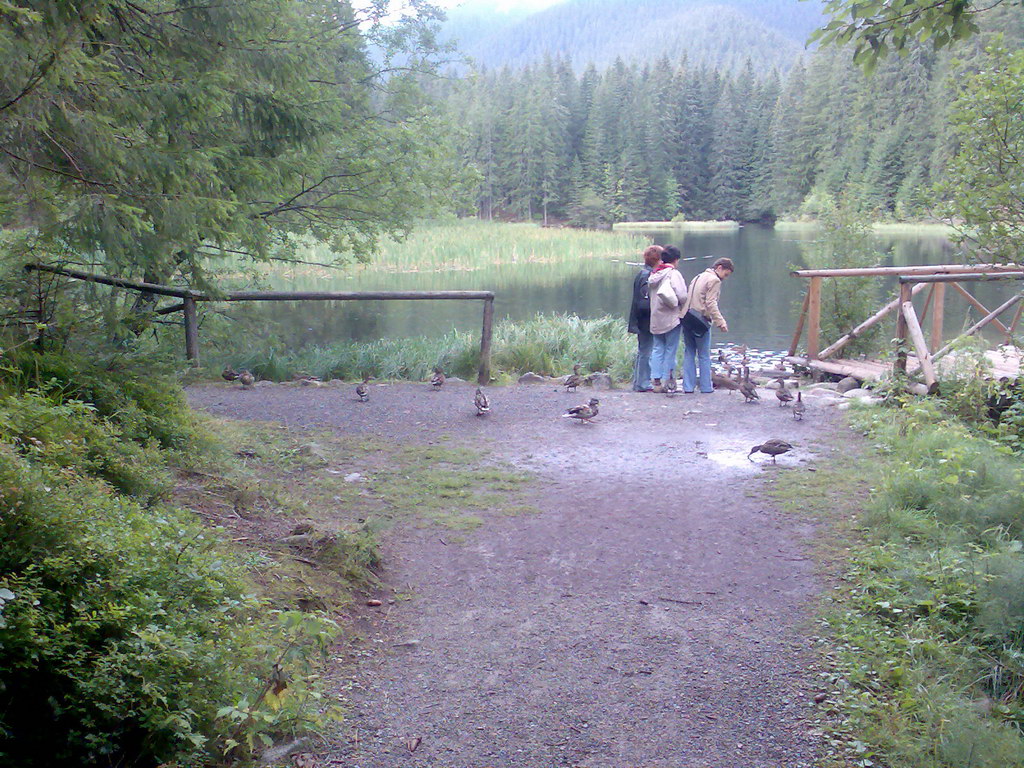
point(924, 632)
point(917, 229)
point(547, 344)
point(469, 245)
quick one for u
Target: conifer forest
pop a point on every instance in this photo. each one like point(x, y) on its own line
point(664, 138)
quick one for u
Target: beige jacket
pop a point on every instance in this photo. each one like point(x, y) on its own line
point(704, 291)
point(664, 318)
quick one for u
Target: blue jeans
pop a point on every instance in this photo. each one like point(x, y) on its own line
point(697, 349)
point(642, 368)
point(663, 356)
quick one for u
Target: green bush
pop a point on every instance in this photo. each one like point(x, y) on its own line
point(128, 634)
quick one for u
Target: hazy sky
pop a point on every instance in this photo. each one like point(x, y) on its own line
point(500, 5)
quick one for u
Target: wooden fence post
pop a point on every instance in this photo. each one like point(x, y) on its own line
point(938, 314)
point(813, 317)
point(901, 328)
point(800, 325)
point(924, 359)
point(483, 376)
point(191, 330)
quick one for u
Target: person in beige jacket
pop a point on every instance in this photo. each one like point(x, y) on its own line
point(665, 314)
point(703, 299)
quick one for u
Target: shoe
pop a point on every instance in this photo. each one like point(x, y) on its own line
point(645, 389)
point(687, 391)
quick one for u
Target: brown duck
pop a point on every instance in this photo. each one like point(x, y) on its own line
point(437, 380)
point(363, 391)
point(483, 405)
point(583, 412)
point(783, 393)
point(747, 388)
point(246, 379)
point(574, 379)
point(773, 447)
point(799, 408)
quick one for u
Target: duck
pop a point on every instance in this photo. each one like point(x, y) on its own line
point(799, 408)
point(363, 391)
point(671, 384)
point(718, 381)
point(747, 388)
point(437, 380)
point(246, 379)
point(483, 405)
point(773, 447)
point(723, 360)
point(229, 373)
point(783, 393)
point(583, 412)
point(574, 379)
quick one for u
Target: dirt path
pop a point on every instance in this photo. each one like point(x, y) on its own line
point(653, 614)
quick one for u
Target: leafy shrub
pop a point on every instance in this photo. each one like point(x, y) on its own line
point(128, 635)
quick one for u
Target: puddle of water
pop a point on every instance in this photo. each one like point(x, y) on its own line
point(732, 459)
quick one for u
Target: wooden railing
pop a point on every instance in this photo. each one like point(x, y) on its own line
point(912, 280)
point(189, 298)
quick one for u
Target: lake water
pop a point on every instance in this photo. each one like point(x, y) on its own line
point(760, 301)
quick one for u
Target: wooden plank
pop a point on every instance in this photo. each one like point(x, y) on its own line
point(901, 329)
point(920, 345)
point(483, 375)
point(1016, 320)
point(979, 306)
point(191, 331)
point(117, 282)
point(875, 318)
point(938, 314)
point(813, 317)
point(972, 277)
point(860, 369)
point(934, 269)
point(800, 324)
point(989, 318)
point(352, 295)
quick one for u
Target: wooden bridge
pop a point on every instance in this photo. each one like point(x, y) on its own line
point(915, 353)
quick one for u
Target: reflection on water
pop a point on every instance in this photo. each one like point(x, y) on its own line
point(760, 300)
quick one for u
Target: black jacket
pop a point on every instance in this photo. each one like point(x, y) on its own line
point(640, 308)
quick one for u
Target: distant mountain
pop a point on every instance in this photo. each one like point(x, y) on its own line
point(719, 33)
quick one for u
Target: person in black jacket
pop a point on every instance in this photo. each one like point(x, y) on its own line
point(640, 319)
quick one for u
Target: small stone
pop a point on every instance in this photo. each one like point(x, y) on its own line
point(532, 378)
point(263, 384)
point(353, 477)
point(845, 385)
point(820, 697)
point(374, 603)
point(858, 393)
point(600, 380)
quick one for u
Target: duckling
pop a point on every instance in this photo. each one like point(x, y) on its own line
point(783, 393)
point(246, 379)
point(799, 407)
point(722, 359)
point(583, 412)
point(363, 391)
point(773, 447)
point(573, 380)
point(483, 405)
point(437, 380)
point(747, 388)
point(229, 373)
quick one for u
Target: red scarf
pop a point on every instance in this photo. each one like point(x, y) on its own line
point(661, 267)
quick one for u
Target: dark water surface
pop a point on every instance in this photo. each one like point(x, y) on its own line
point(760, 301)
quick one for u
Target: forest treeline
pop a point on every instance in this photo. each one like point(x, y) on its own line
point(665, 139)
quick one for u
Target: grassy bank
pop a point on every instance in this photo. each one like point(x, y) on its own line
point(925, 632)
point(470, 245)
point(547, 344)
point(912, 229)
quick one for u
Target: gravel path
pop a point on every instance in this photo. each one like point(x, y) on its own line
point(654, 614)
